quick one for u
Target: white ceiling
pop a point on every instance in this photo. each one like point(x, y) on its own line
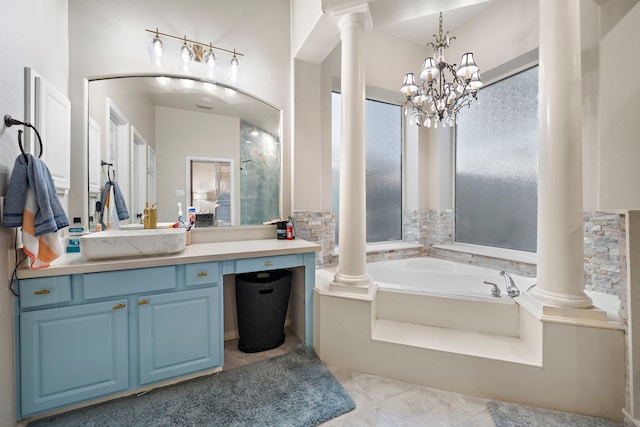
point(413, 20)
point(417, 20)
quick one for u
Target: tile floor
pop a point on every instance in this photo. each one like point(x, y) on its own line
point(382, 401)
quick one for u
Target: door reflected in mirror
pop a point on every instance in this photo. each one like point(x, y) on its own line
point(158, 132)
point(210, 191)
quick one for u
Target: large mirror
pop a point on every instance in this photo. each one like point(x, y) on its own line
point(169, 140)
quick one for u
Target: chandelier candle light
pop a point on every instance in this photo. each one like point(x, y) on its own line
point(191, 51)
point(438, 98)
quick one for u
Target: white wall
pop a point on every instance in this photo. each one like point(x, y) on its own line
point(108, 38)
point(33, 34)
point(619, 106)
point(308, 183)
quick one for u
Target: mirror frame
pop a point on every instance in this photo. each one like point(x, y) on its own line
point(88, 209)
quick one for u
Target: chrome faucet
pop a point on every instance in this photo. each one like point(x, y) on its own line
point(512, 289)
point(495, 290)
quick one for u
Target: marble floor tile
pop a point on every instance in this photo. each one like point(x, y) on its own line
point(483, 419)
point(431, 407)
point(383, 402)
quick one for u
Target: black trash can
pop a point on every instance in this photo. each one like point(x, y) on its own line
point(261, 300)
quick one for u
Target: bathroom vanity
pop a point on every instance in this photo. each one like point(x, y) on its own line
point(88, 329)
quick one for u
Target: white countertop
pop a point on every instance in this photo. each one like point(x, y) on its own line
point(74, 263)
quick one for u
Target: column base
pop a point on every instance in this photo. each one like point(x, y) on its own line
point(557, 300)
point(361, 285)
point(591, 315)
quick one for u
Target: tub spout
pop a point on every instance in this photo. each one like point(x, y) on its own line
point(512, 289)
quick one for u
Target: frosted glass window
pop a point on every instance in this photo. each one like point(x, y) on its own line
point(497, 166)
point(383, 145)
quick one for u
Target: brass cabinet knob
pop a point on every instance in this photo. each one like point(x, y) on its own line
point(42, 292)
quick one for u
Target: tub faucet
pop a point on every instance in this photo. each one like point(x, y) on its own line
point(495, 290)
point(512, 289)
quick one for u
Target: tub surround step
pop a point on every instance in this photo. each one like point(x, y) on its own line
point(495, 316)
point(463, 342)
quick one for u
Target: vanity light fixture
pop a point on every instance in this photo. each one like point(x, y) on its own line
point(192, 51)
point(442, 90)
point(156, 51)
point(185, 59)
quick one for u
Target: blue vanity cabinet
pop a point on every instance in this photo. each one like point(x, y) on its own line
point(179, 333)
point(73, 353)
point(83, 336)
point(89, 331)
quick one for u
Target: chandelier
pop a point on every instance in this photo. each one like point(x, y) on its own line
point(442, 90)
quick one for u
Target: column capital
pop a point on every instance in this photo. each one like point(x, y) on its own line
point(353, 14)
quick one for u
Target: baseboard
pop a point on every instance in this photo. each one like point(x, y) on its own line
point(629, 420)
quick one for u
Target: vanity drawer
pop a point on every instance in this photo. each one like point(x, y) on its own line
point(113, 283)
point(45, 291)
point(205, 273)
point(266, 263)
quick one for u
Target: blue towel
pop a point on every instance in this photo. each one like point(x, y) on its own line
point(121, 205)
point(34, 174)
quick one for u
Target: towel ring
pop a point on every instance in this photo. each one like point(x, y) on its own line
point(109, 170)
point(9, 121)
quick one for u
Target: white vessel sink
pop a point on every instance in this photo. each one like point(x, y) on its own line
point(113, 244)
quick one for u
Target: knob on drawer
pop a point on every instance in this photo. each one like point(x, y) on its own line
point(42, 292)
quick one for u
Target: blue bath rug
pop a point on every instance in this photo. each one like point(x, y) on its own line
point(512, 415)
point(292, 390)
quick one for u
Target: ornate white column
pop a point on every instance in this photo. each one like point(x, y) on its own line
point(560, 229)
point(351, 276)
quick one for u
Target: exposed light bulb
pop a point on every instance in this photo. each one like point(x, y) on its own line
point(156, 51)
point(234, 68)
point(209, 61)
point(185, 60)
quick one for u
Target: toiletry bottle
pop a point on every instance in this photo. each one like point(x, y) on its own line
point(191, 216)
point(154, 216)
point(147, 216)
point(289, 229)
point(180, 218)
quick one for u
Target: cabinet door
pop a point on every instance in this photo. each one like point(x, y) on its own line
point(179, 333)
point(72, 354)
point(53, 120)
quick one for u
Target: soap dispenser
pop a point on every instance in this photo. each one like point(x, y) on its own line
point(147, 216)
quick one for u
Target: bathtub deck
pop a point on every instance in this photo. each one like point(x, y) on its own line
point(458, 341)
